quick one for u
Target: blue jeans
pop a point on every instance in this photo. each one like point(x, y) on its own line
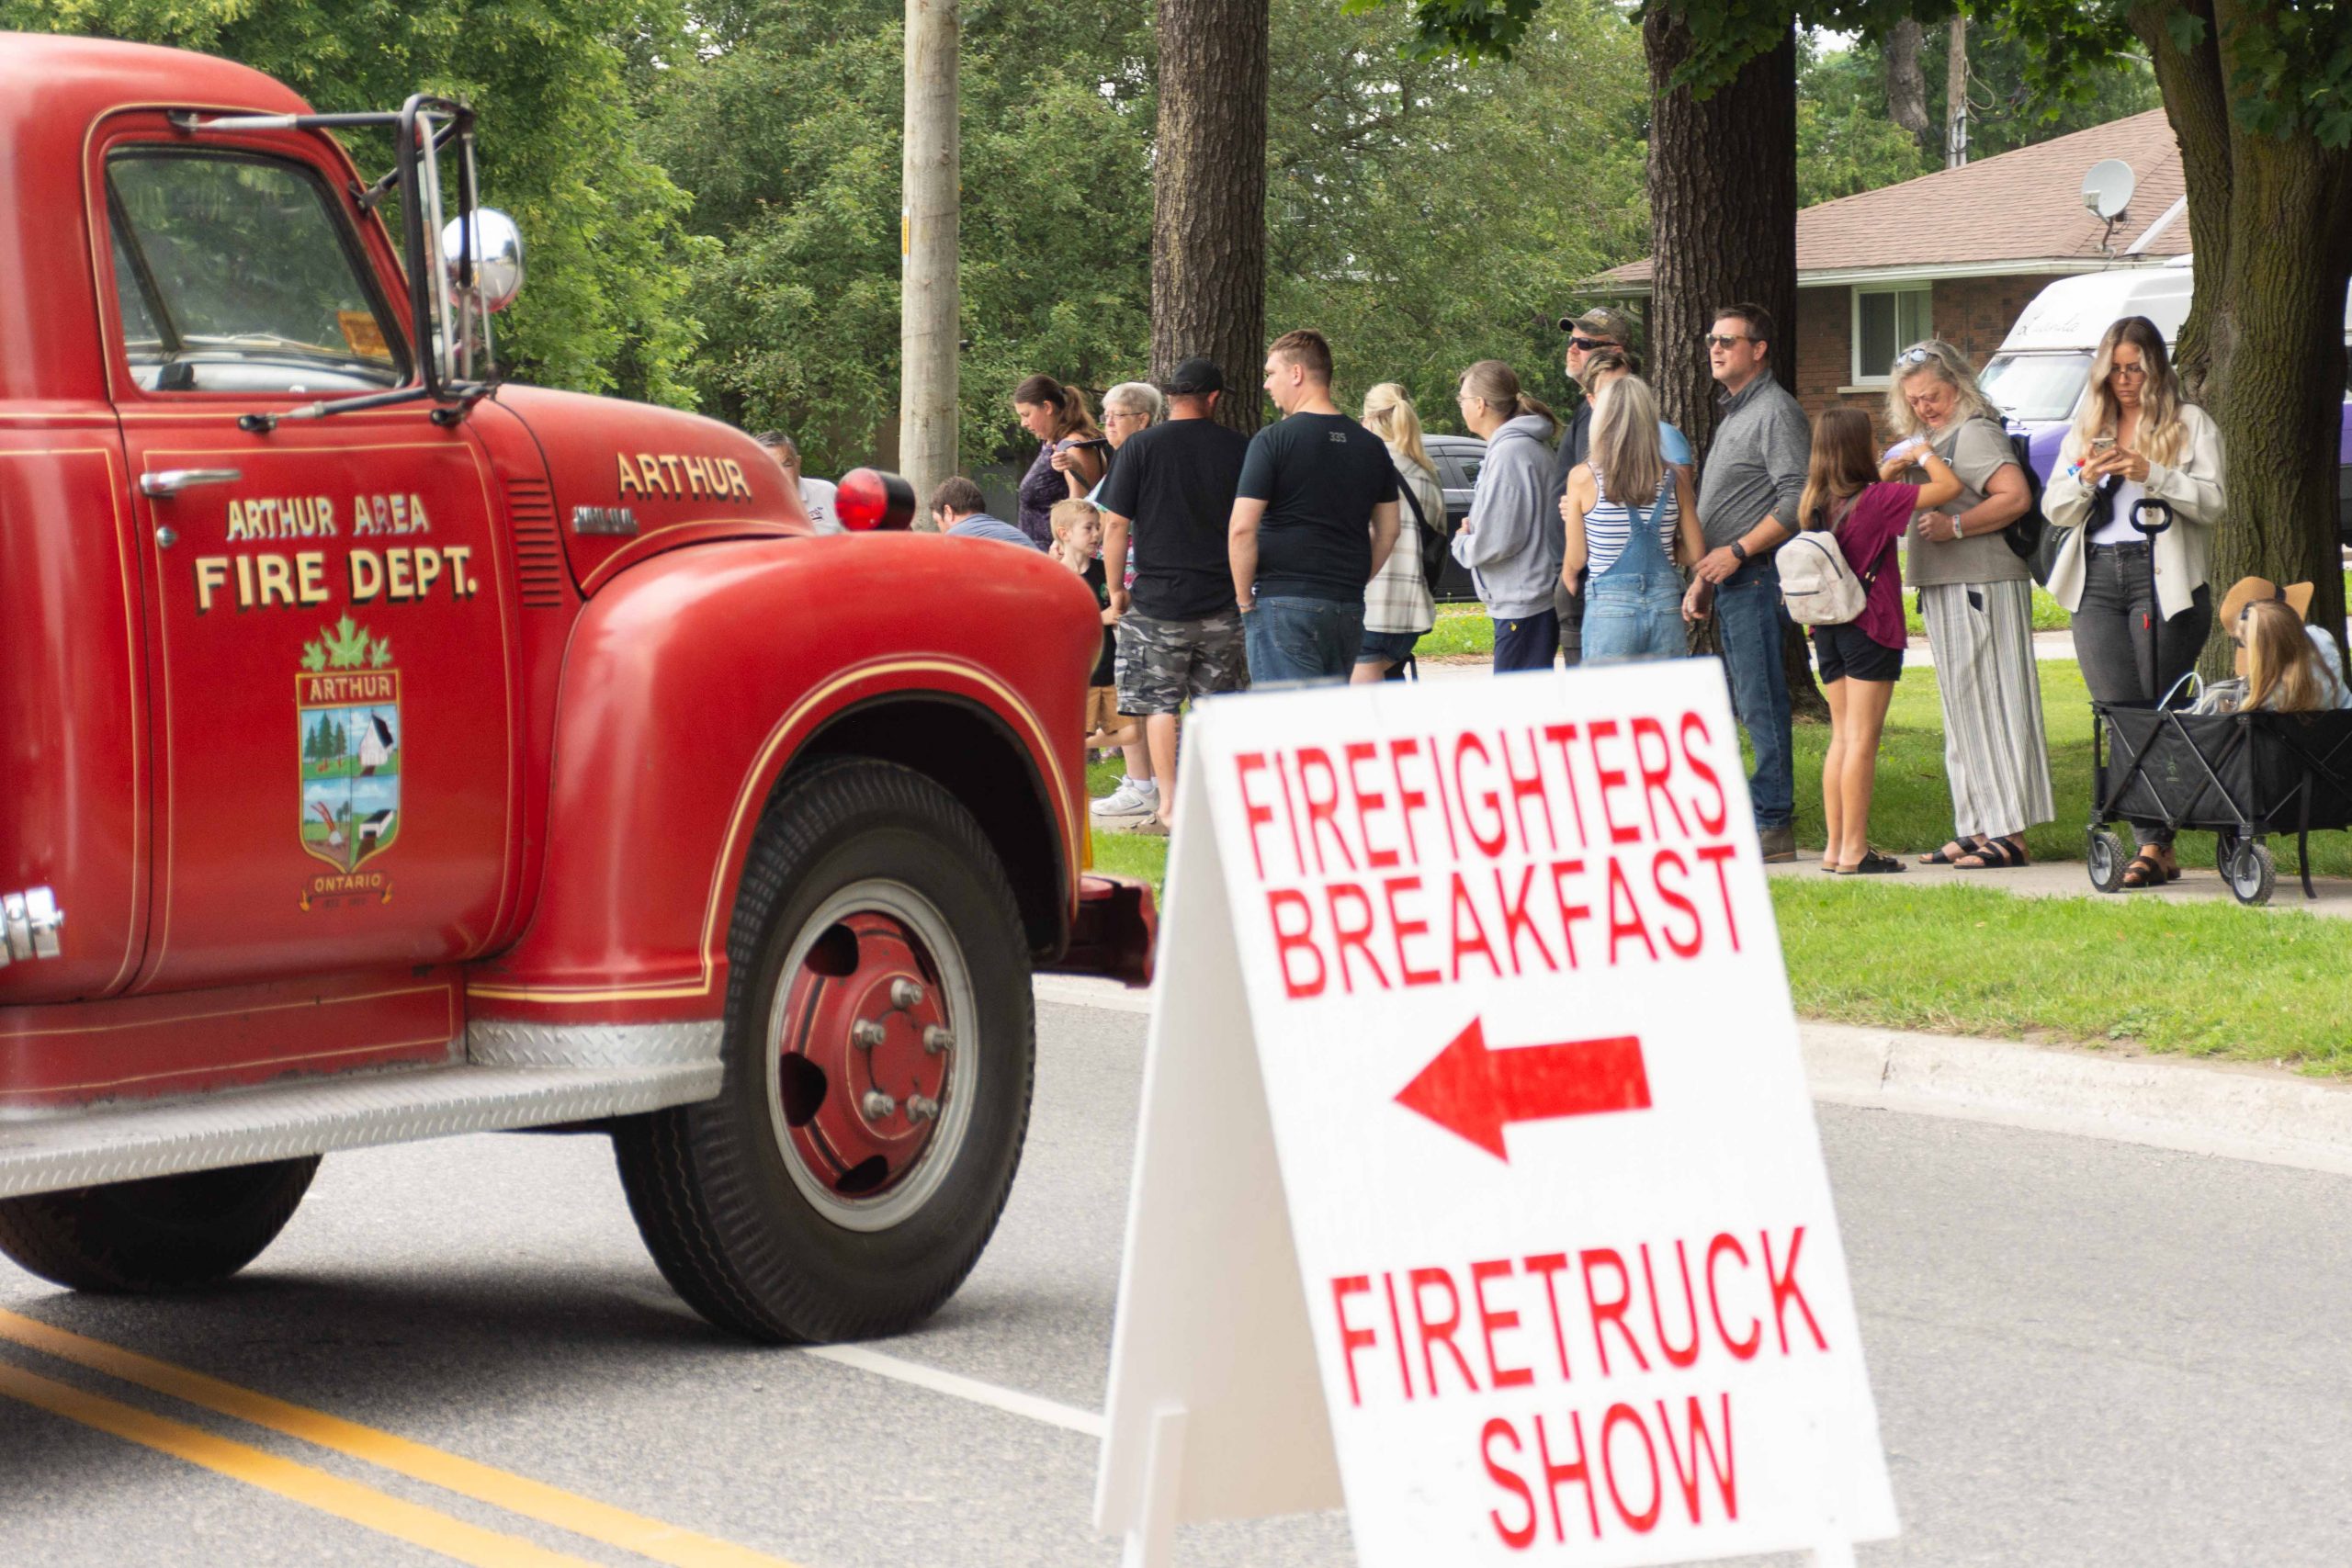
point(1633, 606)
point(1751, 623)
point(1303, 641)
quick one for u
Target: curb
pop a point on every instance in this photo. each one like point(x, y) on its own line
point(2191, 1107)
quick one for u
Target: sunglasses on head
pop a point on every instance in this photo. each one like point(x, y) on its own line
point(1915, 356)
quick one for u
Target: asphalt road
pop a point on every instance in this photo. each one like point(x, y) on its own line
point(2085, 1353)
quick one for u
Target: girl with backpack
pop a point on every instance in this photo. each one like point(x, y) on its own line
point(1396, 605)
point(1860, 659)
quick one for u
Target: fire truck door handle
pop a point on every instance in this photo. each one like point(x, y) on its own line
point(168, 482)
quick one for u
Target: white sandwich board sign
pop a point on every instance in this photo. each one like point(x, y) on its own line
point(1478, 1181)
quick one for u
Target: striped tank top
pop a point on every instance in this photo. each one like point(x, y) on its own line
point(1611, 523)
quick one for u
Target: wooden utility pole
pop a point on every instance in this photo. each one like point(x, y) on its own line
point(1956, 95)
point(930, 316)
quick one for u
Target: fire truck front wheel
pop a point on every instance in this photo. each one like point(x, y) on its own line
point(880, 1048)
point(166, 1232)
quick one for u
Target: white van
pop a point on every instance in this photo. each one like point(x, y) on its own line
point(2039, 374)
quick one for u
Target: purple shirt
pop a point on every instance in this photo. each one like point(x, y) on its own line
point(1880, 515)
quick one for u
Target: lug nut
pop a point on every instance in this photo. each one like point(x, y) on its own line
point(938, 1037)
point(922, 1108)
point(876, 1105)
point(865, 1033)
point(904, 994)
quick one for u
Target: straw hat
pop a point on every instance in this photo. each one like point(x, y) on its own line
point(2296, 596)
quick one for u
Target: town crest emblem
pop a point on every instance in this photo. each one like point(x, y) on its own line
point(347, 708)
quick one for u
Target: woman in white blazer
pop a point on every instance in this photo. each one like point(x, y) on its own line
point(2133, 439)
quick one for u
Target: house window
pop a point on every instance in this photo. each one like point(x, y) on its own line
point(1886, 322)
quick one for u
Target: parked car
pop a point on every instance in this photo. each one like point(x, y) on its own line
point(1457, 458)
point(2039, 374)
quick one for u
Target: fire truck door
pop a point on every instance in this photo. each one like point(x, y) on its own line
point(329, 633)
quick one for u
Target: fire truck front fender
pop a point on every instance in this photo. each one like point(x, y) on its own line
point(697, 682)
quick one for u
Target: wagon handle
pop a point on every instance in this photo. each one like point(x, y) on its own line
point(2147, 504)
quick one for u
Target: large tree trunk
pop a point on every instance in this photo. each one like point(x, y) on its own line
point(2263, 347)
point(1907, 85)
point(1723, 183)
point(1208, 220)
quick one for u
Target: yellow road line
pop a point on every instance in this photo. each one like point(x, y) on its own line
point(501, 1489)
point(364, 1505)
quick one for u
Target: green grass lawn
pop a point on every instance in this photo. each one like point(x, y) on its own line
point(2204, 979)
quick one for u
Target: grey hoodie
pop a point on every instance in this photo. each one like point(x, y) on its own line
point(1513, 557)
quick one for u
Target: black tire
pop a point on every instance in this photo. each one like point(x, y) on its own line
point(2251, 872)
point(167, 1233)
point(730, 1201)
point(2106, 860)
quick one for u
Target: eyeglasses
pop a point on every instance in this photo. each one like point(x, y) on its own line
point(1915, 356)
point(1717, 340)
point(2117, 372)
point(1586, 345)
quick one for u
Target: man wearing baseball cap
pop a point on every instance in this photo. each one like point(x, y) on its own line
point(1180, 632)
point(1597, 329)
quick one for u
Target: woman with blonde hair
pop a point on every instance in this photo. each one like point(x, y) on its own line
point(2135, 439)
point(1976, 598)
point(1513, 555)
point(1396, 605)
point(1629, 519)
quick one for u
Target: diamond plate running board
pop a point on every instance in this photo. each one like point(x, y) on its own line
point(317, 1117)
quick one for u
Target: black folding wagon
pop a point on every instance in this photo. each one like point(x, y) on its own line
point(2241, 776)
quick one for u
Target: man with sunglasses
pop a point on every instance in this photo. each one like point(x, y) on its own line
point(1597, 329)
point(1754, 478)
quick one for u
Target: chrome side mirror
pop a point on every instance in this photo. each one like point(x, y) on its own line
point(497, 250)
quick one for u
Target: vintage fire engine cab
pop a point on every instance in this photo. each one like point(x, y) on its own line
point(388, 752)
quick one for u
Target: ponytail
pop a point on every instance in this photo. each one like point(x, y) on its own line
point(1496, 384)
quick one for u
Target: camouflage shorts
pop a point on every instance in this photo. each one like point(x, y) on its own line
point(1163, 662)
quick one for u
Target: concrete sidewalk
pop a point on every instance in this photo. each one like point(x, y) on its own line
point(2068, 879)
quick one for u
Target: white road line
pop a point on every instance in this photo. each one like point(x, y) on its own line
point(1012, 1400)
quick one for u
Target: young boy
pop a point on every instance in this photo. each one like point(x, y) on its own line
point(1078, 541)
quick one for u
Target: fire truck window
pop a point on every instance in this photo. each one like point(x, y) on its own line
point(239, 274)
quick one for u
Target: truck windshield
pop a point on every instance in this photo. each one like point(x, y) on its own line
point(235, 272)
point(2036, 388)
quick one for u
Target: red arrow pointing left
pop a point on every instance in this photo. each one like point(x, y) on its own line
point(1475, 1092)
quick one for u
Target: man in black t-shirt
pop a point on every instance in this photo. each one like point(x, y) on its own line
point(1180, 636)
point(1314, 518)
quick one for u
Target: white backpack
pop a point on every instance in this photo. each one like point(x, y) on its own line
point(1816, 584)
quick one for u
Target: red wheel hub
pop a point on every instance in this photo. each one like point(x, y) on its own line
point(865, 1047)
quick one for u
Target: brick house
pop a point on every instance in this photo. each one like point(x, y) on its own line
point(1957, 254)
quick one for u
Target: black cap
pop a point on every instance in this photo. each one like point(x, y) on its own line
point(1195, 377)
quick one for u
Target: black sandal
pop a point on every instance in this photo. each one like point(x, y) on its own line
point(1948, 853)
point(1993, 855)
point(1873, 863)
point(2146, 871)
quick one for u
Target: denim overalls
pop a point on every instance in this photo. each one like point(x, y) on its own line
point(1633, 610)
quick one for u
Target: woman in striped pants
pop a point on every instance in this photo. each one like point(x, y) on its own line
point(1977, 600)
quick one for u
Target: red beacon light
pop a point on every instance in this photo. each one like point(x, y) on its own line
point(867, 500)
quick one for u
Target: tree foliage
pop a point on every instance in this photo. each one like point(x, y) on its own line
point(558, 145)
point(1421, 214)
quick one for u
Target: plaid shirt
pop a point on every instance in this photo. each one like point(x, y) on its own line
point(1397, 599)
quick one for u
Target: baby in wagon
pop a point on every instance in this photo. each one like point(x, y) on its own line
point(2284, 666)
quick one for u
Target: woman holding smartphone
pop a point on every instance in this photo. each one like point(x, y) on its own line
point(2134, 439)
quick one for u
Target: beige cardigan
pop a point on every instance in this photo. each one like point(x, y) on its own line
point(2194, 488)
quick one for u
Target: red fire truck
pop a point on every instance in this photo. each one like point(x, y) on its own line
point(388, 752)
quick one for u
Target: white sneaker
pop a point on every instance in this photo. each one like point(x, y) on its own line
point(1133, 798)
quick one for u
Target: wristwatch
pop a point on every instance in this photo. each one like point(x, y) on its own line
point(1738, 550)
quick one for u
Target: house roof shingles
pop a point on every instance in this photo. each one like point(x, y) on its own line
point(2024, 205)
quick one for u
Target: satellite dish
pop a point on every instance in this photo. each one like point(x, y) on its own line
point(2107, 189)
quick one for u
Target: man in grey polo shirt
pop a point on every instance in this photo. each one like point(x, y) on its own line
point(1747, 508)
